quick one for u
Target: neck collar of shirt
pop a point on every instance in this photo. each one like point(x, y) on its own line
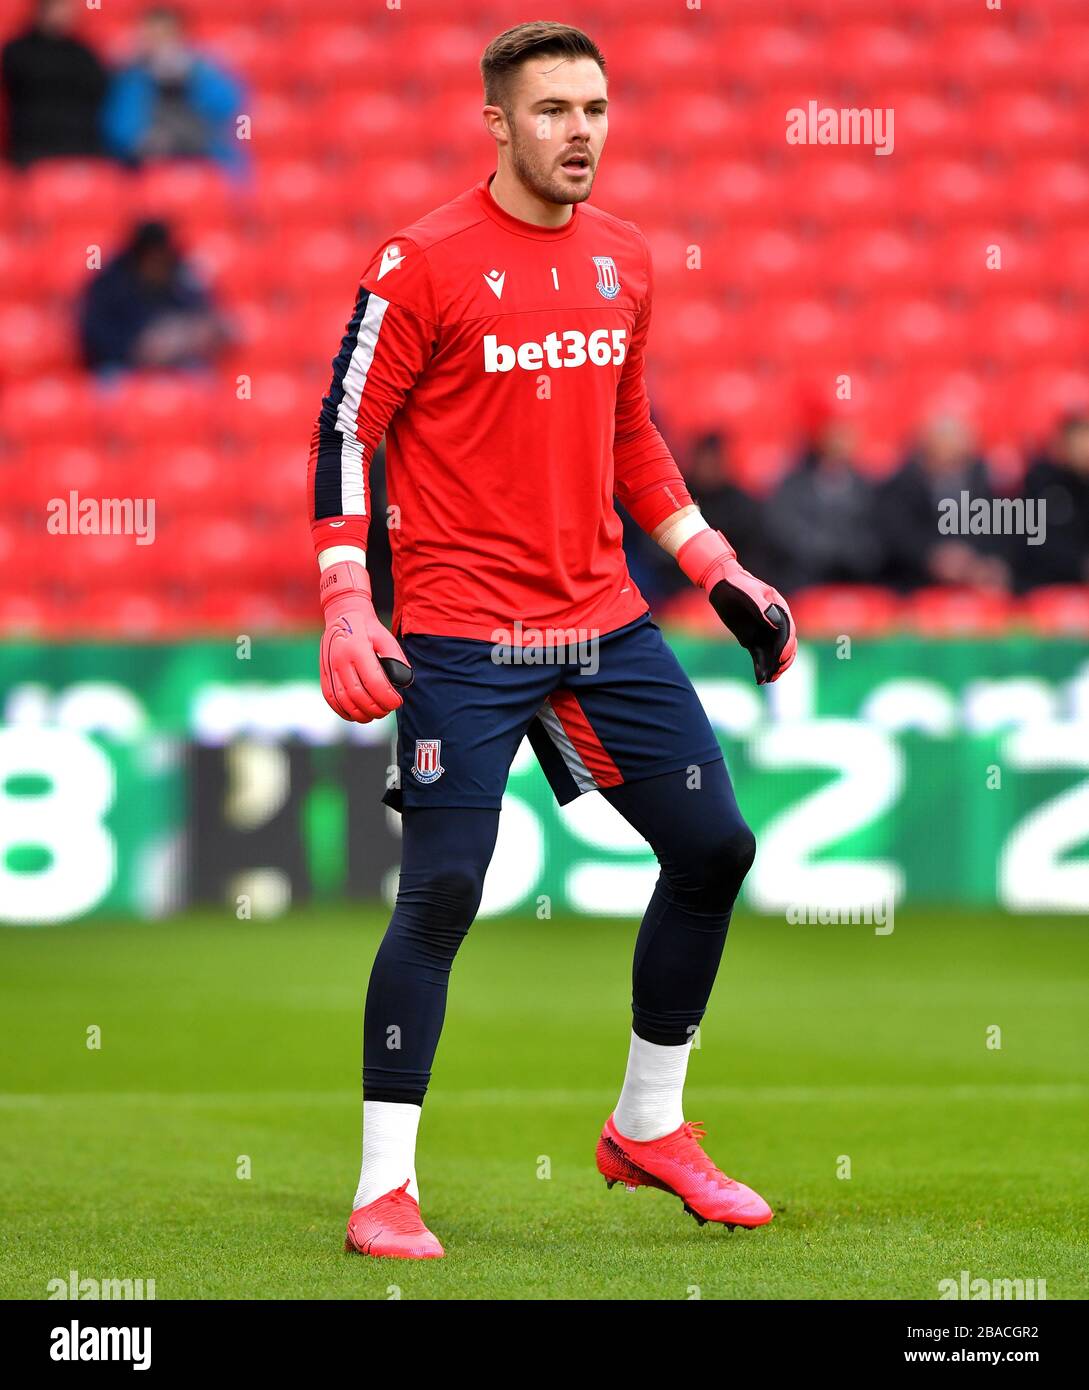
point(515, 224)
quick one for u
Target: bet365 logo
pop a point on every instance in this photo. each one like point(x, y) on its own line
point(568, 349)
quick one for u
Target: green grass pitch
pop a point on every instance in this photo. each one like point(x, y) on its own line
point(823, 1045)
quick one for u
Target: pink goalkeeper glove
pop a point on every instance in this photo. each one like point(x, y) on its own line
point(755, 613)
point(361, 661)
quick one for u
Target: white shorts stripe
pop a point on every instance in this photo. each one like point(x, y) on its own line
point(558, 734)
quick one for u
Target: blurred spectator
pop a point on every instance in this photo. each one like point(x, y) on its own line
point(1060, 479)
point(53, 87)
point(172, 103)
point(942, 467)
point(821, 517)
point(725, 506)
point(655, 574)
point(144, 309)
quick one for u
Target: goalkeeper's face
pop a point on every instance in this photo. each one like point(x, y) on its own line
point(557, 124)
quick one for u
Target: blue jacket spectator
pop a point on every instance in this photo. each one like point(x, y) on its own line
point(172, 103)
point(144, 309)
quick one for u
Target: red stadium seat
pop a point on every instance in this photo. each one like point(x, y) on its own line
point(920, 328)
point(185, 191)
point(1021, 120)
point(792, 328)
point(285, 127)
point(341, 53)
point(775, 51)
point(831, 610)
point(929, 122)
point(988, 258)
point(182, 477)
point(1066, 53)
point(326, 260)
point(153, 407)
point(145, 613)
point(232, 262)
point(980, 53)
point(1016, 329)
point(726, 190)
point(360, 122)
point(1064, 258)
point(63, 261)
point(25, 615)
point(873, 260)
point(446, 50)
point(235, 611)
point(34, 339)
point(823, 185)
point(1038, 396)
point(760, 258)
point(247, 50)
point(1059, 610)
point(947, 190)
point(879, 52)
point(54, 469)
point(950, 612)
point(68, 191)
point(298, 192)
point(1054, 190)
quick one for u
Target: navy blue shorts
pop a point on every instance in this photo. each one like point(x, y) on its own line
point(617, 711)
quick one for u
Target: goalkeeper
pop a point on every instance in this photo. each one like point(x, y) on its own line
point(498, 343)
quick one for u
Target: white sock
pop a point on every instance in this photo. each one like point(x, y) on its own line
point(650, 1103)
point(389, 1150)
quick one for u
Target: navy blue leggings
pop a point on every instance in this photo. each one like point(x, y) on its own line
point(704, 850)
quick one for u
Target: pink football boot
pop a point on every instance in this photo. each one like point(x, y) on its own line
point(677, 1163)
point(391, 1225)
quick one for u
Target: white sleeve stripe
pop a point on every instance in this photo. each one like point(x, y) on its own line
point(353, 491)
point(355, 378)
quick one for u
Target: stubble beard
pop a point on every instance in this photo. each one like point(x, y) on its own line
point(546, 183)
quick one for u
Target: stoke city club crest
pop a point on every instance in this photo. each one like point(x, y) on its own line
point(427, 767)
point(608, 280)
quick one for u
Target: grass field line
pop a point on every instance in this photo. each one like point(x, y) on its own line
point(541, 1096)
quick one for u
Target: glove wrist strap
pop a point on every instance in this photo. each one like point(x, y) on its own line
point(346, 577)
point(702, 553)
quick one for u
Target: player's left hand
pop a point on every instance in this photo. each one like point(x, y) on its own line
point(755, 613)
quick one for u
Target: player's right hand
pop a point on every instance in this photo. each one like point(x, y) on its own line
point(362, 664)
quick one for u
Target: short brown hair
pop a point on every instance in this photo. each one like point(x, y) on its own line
point(506, 53)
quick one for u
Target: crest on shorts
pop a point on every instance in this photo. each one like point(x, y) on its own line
point(427, 767)
point(608, 280)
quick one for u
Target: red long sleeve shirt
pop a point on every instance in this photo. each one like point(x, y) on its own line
point(504, 363)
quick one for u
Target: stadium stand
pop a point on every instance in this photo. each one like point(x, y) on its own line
point(815, 264)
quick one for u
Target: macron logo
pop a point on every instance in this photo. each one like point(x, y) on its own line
point(391, 260)
point(568, 349)
point(494, 281)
